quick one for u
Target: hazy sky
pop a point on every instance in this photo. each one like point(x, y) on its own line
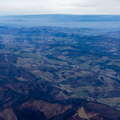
point(59, 6)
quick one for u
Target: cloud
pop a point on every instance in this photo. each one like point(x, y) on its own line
point(59, 6)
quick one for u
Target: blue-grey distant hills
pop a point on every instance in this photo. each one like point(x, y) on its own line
point(79, 21)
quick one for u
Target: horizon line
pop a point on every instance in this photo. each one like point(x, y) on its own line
point(60, 14)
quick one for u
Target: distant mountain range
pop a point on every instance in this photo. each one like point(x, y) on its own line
point(63, 17)
point(79, 21)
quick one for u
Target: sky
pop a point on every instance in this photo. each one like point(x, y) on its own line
point(59, 7)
